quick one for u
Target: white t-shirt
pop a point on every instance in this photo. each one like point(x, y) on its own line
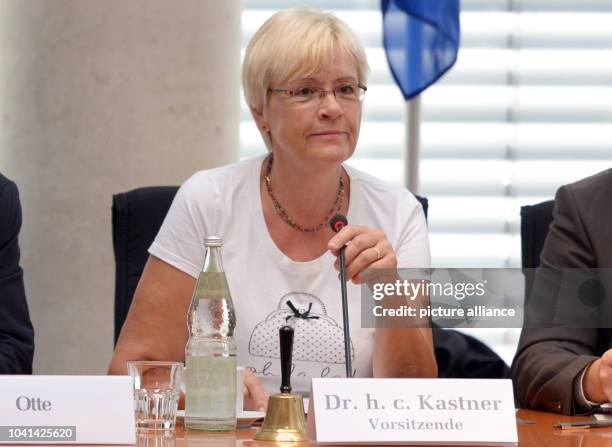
point(226, 202)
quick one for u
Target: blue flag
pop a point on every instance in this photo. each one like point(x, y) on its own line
point(421, 39)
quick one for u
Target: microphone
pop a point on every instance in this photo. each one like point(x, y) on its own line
point(337, 223)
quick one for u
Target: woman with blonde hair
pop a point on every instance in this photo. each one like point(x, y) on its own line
point(304, 78)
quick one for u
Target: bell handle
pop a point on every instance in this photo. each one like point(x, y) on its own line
point(286, 348)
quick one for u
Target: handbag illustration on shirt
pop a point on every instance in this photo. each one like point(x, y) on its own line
point(318, 337)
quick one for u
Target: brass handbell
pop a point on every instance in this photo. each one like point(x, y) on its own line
point(285, 421)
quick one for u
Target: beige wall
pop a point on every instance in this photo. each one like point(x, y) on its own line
point(99, 97)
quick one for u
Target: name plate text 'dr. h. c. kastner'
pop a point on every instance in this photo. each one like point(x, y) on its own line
point(400, 411)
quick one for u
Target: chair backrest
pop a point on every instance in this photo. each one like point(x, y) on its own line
point(137, 217)
point(535, 220)
point(424, 203)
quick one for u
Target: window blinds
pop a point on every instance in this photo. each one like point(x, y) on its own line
point(526, 108)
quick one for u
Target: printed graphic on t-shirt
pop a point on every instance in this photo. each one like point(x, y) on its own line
point(317, 337)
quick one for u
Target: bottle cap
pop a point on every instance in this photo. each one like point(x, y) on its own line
point(213, 241)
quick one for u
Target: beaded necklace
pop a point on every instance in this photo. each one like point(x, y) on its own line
point(287, 219)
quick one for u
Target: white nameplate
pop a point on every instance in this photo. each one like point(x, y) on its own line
point(412, 411)
point(67, 410)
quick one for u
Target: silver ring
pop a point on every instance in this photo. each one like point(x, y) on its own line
point(378, 253)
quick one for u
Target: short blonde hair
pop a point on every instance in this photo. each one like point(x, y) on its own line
point(294, 42)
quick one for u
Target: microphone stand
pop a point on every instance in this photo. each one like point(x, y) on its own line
point(345, 317)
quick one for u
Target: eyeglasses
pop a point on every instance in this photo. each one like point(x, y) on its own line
point(347, 93)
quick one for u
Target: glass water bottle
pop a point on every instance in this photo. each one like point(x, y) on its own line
point(210, 354)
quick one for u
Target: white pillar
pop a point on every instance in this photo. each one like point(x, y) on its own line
point(100, 97)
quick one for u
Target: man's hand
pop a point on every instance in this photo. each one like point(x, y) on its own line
point(597, 382)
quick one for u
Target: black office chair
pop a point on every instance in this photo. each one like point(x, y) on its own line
point(535, 220)
point(137, 217)
point(461, 356)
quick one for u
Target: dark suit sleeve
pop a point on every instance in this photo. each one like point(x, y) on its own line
point(548, 360)
point(16, 332)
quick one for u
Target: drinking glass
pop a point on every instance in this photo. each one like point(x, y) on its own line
point(156, 393)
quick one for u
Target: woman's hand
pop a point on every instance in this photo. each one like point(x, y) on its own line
point(365, 247)
point(255, 394)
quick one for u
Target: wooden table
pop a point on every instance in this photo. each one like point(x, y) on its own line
point(538, 433)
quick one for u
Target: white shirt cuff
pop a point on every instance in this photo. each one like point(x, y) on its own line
point(582, 403)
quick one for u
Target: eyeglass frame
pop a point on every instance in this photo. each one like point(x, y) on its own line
point(322, 92)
